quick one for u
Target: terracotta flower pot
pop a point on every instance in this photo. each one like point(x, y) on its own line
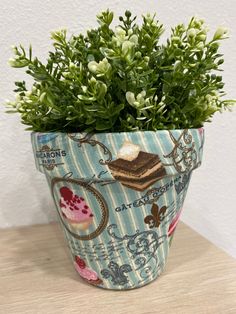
point(118, 198)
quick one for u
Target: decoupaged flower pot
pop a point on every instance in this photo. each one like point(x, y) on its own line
point(119, 197)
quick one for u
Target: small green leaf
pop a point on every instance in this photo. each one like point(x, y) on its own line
point(102, 125)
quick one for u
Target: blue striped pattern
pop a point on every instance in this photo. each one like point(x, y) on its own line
point(144, 252)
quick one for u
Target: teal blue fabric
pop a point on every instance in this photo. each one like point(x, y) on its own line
point(127, 243)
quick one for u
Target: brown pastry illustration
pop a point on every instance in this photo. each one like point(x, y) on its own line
point(136, 169)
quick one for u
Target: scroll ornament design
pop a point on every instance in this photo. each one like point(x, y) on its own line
point(142, 246)
point(88, 139)
point(181, 186)
point(184, 154)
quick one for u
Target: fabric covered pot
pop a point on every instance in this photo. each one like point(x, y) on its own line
point(119, 197)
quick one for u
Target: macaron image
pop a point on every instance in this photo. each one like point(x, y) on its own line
point(86, 273)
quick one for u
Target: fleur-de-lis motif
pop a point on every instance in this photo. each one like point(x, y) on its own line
point(157, 216)
point(117, 273)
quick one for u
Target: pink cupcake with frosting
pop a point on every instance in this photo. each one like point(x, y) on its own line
point(86, 273)
point(75, 210)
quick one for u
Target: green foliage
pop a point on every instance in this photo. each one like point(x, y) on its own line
point(123, 79)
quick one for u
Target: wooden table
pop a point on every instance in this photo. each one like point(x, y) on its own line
point(37, 276)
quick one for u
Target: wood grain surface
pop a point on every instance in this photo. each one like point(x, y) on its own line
point(37, 276)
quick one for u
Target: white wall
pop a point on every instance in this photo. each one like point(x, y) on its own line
point(210, 207)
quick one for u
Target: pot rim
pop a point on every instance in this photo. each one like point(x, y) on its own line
point(122, 132)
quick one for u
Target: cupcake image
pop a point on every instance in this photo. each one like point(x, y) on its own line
point(75, 210)
point(86, 273)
